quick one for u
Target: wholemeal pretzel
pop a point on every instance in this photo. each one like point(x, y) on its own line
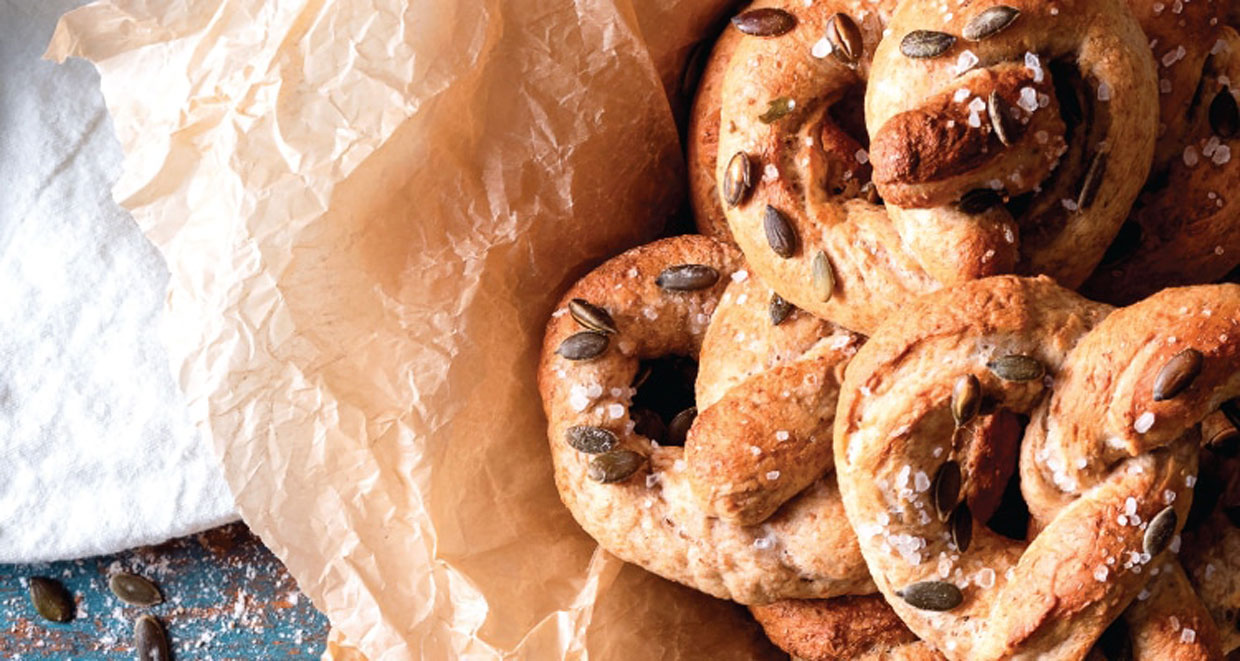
point(636, 497)
point(792, 167)
point(1185, 227)
point(1107, 462)
point(1022, 101)
point(793, 173)
point(1211, 547)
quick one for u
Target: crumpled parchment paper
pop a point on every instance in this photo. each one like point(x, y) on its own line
point(369, 208)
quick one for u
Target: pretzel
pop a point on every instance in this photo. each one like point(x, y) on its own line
point(636, 497)
point(1185, 227)
point(791, 156)
point(1107, 461)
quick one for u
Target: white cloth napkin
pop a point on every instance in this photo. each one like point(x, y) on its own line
point(96, 451)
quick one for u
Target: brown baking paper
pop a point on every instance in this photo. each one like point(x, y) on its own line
point(368, 210)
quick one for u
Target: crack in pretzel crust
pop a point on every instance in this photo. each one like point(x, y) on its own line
point(1100, 457)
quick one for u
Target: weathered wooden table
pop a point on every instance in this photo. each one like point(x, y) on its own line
point(225, 597)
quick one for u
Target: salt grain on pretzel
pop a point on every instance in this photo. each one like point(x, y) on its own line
point(1099, 457)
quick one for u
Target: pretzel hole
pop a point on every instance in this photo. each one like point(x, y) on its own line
point(664, 388)
point(1115, 642)
point(842, 136)
point(1011, 518)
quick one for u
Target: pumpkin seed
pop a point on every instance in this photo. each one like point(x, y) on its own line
point(1226, 443)
point(779, 233)
point(591, 440)
point(678, 428)
point(150, 639)
point(1177, 375)
point(1000, 112)
point(946, 489)
point(614, 466)
point(979, 200)
point(766, 22)
point(134, 590)
point(1016, 367)
point(50, 599)
point(824, 277)
point(1093, 177)
point(779, 309)
point(920, 44)
point(1161, 529)
point(687, 277)
point(592, 316)
point(1224, 114)
point(931, 595)
point(845, 38)
point(1231, 411)
point(737, 179)
point(583, 346)
point(648, 424)
point(1233, 515)
point(776, 109)
point(989, 23)
point(966, 399)
point(961, 525)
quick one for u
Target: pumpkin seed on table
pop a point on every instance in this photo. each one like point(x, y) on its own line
point(1016, 367)
point(966, 399)
point(946, 489)
point(779, 309)
point(150, 639)
point(931, 595)
point(50, 599)
point(922, 44)
point(777, 109)
point(1093, 178)
point(845, 38)
point(737, 179)
point(765, 22)
point(592, 316)
point(1177, 375)
point(1160, 531)
point(134, 590)
point(614, 466)
point(591, 440)
point(823, 277)
point(583, 346)
point(990, 22)
point(1224, 114)
point(687, 277)
point(779, 233)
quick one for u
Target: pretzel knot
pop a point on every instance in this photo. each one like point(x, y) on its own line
point(1106, 462)
point(744, 510)
point(995, 141)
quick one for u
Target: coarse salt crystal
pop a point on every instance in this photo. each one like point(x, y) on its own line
point(1174, 546)
point(966, 61)
point(821, 49)
point(1028, 99)
point(1101, 573)
point(1187, 636)
point(740, 276)
point(755, 450)
point(921, 482)
point(977, 105)
point(961, 94)
point(862, 156)
point(1143, 422)
point(985, 578)
point(616, 411)
point(1034, 64)
point(763, 543)
point(1221, 155)
point(1190, 481)
point(1130, 505)
point(781, 435)
point(770, 172)
point(1104, 91)
point(678, 465)
point(772, 475)
point(1190, 156)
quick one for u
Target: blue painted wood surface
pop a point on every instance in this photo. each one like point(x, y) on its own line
point(225, 597)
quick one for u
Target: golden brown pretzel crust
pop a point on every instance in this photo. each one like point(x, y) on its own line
point(1097, 437)
point(651, 518)
point(841, 628)
point(912, 102)
point(703, 140)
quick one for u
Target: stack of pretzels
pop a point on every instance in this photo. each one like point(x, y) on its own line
point(952, 370)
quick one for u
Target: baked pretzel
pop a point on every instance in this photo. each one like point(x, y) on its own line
point(967, 112)
point(1185, 227)
point(792, 168)
point(637, 497)
point(1107, 462)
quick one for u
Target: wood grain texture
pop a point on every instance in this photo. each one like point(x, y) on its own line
point(225, 597)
